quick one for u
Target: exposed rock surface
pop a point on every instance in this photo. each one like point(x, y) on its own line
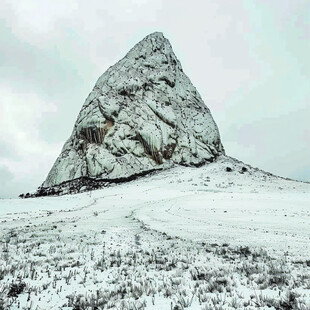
point(142, 115)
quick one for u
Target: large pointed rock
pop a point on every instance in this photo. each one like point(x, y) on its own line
point(143, 114)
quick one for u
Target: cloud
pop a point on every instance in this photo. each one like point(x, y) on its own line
point(25, 155)
point(5, 175)
point(277, 144)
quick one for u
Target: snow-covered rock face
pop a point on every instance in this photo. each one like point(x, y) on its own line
point(143, 114)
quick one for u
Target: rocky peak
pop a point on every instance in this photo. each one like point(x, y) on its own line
point(143, 114)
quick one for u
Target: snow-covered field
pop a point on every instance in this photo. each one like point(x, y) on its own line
point(195, 238)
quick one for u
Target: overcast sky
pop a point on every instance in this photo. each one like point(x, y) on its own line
point(248, 59)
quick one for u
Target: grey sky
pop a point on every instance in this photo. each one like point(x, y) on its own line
point(248, 59)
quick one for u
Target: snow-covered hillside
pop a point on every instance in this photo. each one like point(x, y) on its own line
point(222, 236)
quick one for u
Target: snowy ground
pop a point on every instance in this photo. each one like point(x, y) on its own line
point(196, 238)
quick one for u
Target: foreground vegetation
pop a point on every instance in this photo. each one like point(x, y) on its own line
point(137, 268)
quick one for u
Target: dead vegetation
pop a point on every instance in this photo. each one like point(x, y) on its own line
point(122, 270)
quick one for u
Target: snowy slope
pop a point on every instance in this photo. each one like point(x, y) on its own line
point(196, 238)
point(142, 114)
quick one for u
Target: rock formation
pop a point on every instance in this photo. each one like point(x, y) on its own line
point(142, 115)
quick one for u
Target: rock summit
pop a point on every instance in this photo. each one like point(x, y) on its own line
point(143, 114)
